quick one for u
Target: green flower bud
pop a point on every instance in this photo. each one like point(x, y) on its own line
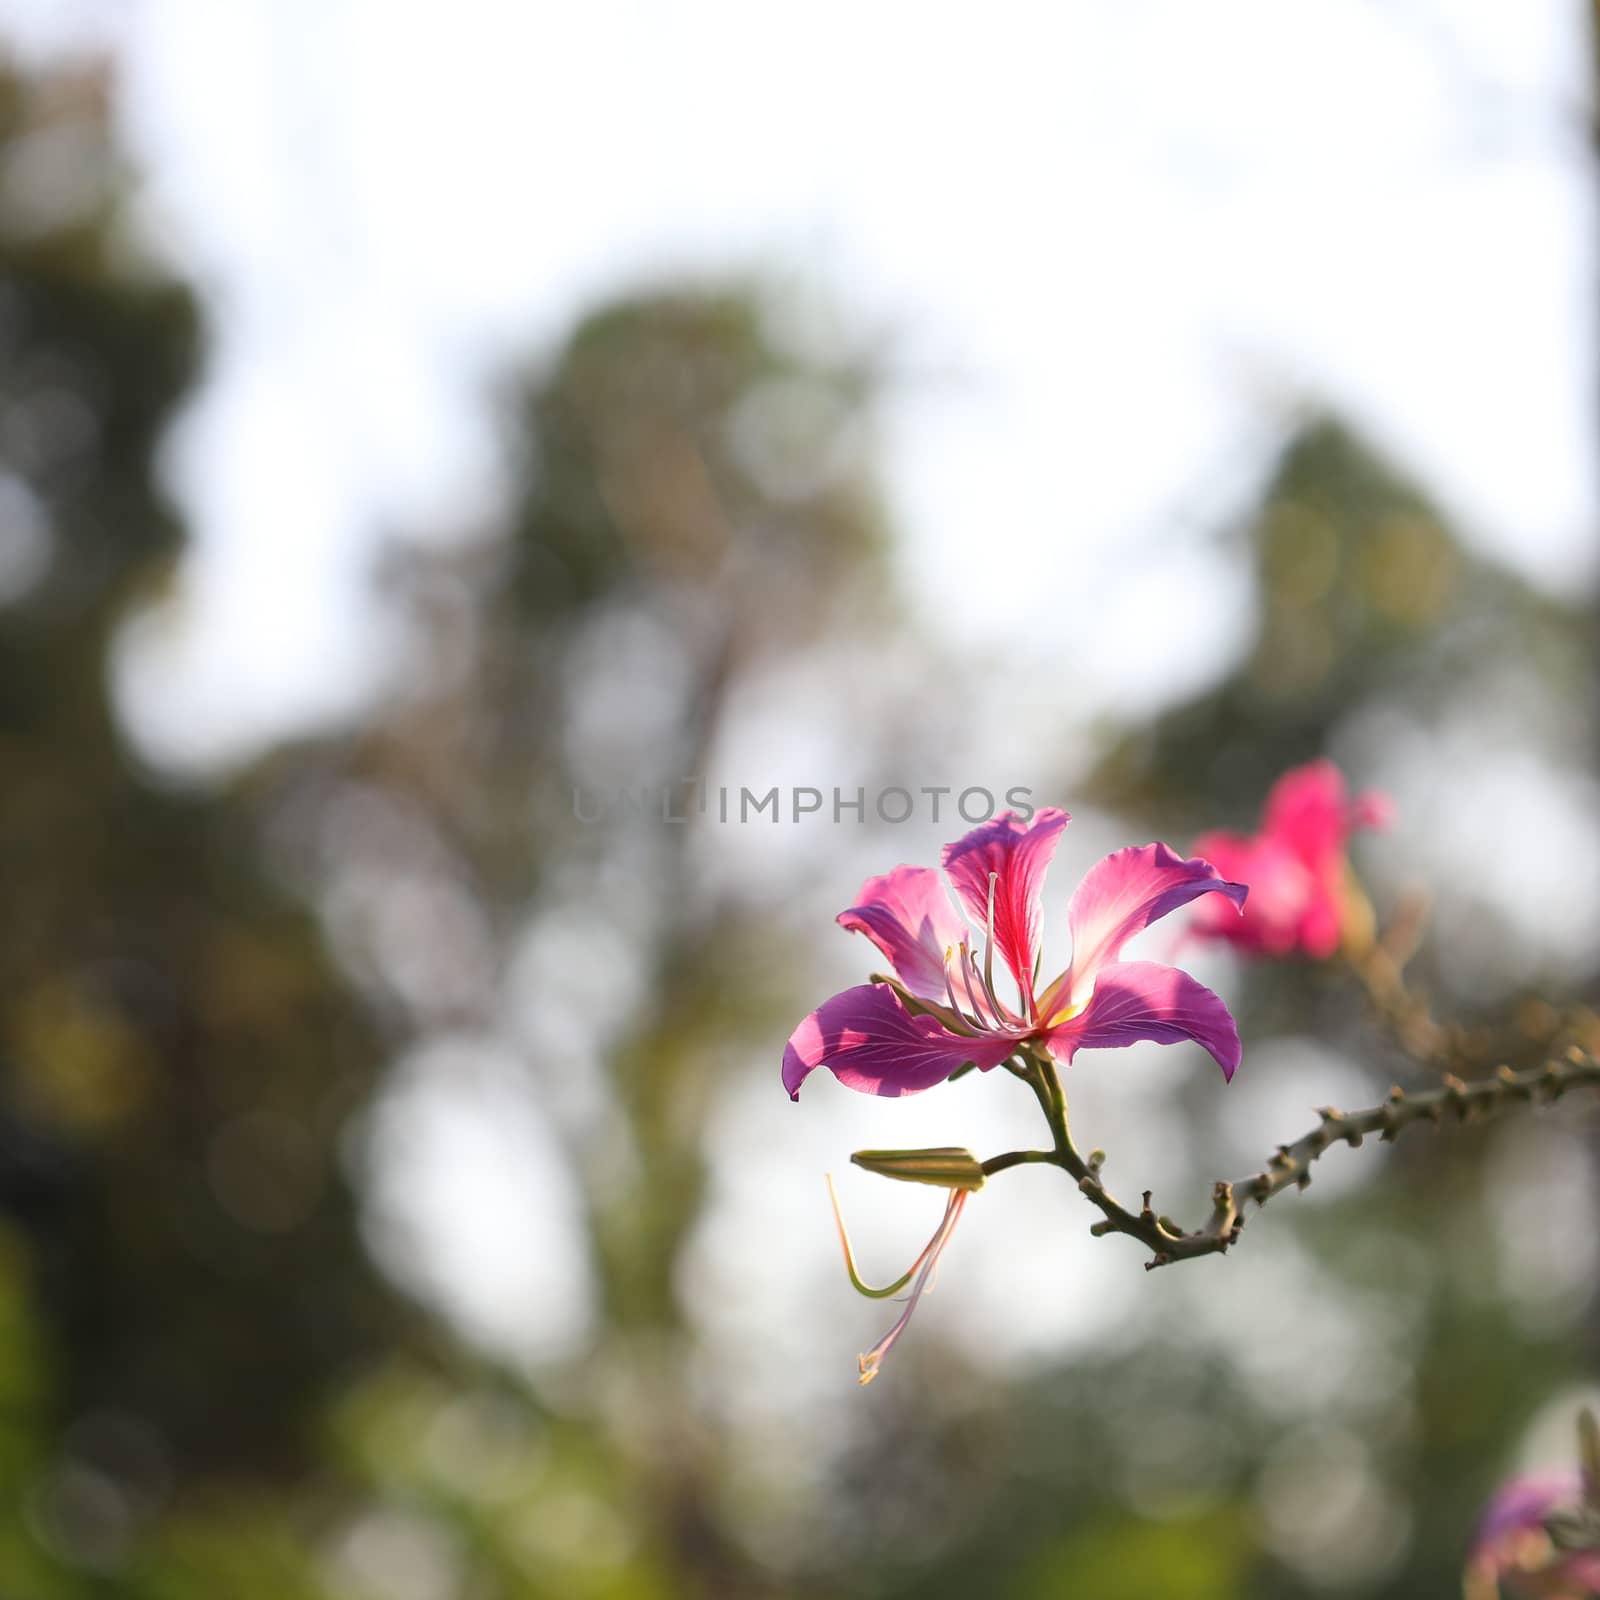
point(946, 1167)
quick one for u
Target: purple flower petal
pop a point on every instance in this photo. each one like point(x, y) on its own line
point(870, 1042)
point(908, 915)
point(1137, 1000)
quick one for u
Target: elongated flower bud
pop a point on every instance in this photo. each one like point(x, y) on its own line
point(945, 1167)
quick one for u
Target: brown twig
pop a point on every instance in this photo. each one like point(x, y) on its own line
point(1291, 1164)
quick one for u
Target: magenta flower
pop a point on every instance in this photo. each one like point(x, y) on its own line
point(944, 1007)
point(1295, 867)
point(1512, 1551)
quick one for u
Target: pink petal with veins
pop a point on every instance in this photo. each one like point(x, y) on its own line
point(1125, 893)
point(1139, 1000)
point(1019, 855)
point(908, 915)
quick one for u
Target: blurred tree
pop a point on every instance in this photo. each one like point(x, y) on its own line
point(177, 1053)
point(693, 506)
point(184, 1282)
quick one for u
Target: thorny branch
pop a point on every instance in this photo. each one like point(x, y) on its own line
point(1291, 1164)
point(1570, 1039)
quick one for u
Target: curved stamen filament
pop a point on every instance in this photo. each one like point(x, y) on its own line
point(1003, 1014)
point(926, 1269)
point(933, 1276)
point(950, 994)
point(850, 1257)
point(987, 1023)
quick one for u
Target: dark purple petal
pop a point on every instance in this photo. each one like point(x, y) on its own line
point(870, 1042)
point(1138, 1000)
point(1018, 853)
point(908, 915)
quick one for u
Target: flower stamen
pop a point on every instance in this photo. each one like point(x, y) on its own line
point(926, 1268)
point(856, 1281)
point(1005, 1017)
point(989, 1024)
point(950, 995)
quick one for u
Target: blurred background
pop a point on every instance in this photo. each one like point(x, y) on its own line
point(416, 418)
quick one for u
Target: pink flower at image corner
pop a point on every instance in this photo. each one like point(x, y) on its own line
point(1513, 1554)
point(1296, 866)
point(873, 1041)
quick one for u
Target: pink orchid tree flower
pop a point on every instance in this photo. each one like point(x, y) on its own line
point(1296, 866)
point(945, 1008)
point(1513, 1552)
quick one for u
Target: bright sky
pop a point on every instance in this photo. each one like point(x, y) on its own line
point(1123, 238)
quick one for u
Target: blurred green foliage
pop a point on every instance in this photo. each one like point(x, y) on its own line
point(181, 1268)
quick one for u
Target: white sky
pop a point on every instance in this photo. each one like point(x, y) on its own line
point(1120, 236)
point(1124, 239)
